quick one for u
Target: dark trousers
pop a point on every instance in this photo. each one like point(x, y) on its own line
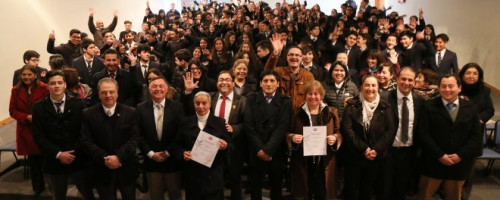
point(360, 177)
point(316, 178)
point(59, 185)
point(37, 181)
point(197, 195)
point(274, 169)
point(107, 191)
point(398, 171)
point(237, 157)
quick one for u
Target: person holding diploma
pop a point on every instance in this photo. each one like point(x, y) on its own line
point(368, 130)
point(309, 173)
point(202, 182)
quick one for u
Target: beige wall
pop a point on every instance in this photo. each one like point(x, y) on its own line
point(26, 24)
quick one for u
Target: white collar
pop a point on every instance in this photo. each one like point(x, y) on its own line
point(446, 102)
point(162, 103)
point(62, 100)
point(203, 118)
point(112, 109)
point(401, 95)
point(229, 96)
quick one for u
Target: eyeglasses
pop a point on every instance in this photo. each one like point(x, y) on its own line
point(225, 79)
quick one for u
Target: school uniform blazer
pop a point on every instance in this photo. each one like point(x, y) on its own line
point(439, 135)
point(449, 63)
point(54, 133)
point(81, 67)
point(173, 113)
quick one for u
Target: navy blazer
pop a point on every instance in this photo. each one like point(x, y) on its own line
point(81, 67)
point(449, 63)
point(173, 114)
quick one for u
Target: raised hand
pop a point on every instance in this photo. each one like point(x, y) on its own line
point(189, 84)
point(277, 43)
point(115, 12)
point(91, 11)
point(52, 36)
point(420, 13)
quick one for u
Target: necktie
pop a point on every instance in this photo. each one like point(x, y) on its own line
point(109, 113)
point(439, 58)
point(58, 107)
point(347, 50)
point(269, 98)
point(405, 115)
point(89, 65)
point(222, 110)
point(145, 69)
point(112, 75)
point(451, 106)
point(159, 120)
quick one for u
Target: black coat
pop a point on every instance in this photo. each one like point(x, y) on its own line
point(198, 177)
point(128, 91)
point(380, 135)
point(116, 135)
point(417, 106)
point(439, 135)
point(173, 114)
point(266, 125)
point(81, 67)
point(55, 133)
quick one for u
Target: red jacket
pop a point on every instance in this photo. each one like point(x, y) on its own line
point(21, 105)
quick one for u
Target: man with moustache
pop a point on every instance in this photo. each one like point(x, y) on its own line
point(292, 77)
point(158, 120)
point(56, 130)
point(267, 120)
point(110, 136)
point(451, 140)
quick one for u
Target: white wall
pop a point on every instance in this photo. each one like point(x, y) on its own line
point(27, 23)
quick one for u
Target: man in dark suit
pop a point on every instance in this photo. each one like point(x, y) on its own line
point(140, 70)
point(110, 136)
point(158, 119)
point(314, 38)
point(399, 167)
point(127, 90)
point(267, 120)
point(451, 140)
point(230, 106)
point(88, 64)
point(56, 130)
point(442, 61)
point(202, 182)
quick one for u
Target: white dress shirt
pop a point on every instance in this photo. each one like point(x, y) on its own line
point(227, 109)
point(411, 118)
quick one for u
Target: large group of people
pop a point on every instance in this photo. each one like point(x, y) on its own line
point(399, 117)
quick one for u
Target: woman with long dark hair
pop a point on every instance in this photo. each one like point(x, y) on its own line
point(24, 95)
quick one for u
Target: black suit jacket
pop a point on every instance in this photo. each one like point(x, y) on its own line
point(267, 124)
point(417, 105)
point(235, 115)
point(137, 73)
point(354, 57)
point(439, 135)
point(128, 91)
point(116, 135)
point(415, 55)
point(173, 114)
point(81, 67)
point(449, 63)
point(54, 133)
point(378, 137)
point(197, 176)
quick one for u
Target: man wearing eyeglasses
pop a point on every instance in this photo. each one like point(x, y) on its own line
point(293, 78)
point(31, 57)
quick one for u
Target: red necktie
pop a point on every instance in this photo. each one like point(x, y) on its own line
point(112, 75)
point(222, 110)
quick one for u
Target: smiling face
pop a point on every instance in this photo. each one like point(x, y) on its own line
point(28, 77)
point(369, 88)
point(384, 77)
point(406, 81)
point(57, 86)
point(449, 89)
point(195, 71)
point(225, 84)
point(294, 57)
point(240, 71)
point(338, 74)
point(406, 41)
point(471, 76)
point(313, 97)
point(420, 81)
point(391, 42)
point(111, 62)
point(219, 45)
point(158, 89)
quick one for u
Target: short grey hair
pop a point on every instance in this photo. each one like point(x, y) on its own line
point(106, 80)
point(203, 93)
